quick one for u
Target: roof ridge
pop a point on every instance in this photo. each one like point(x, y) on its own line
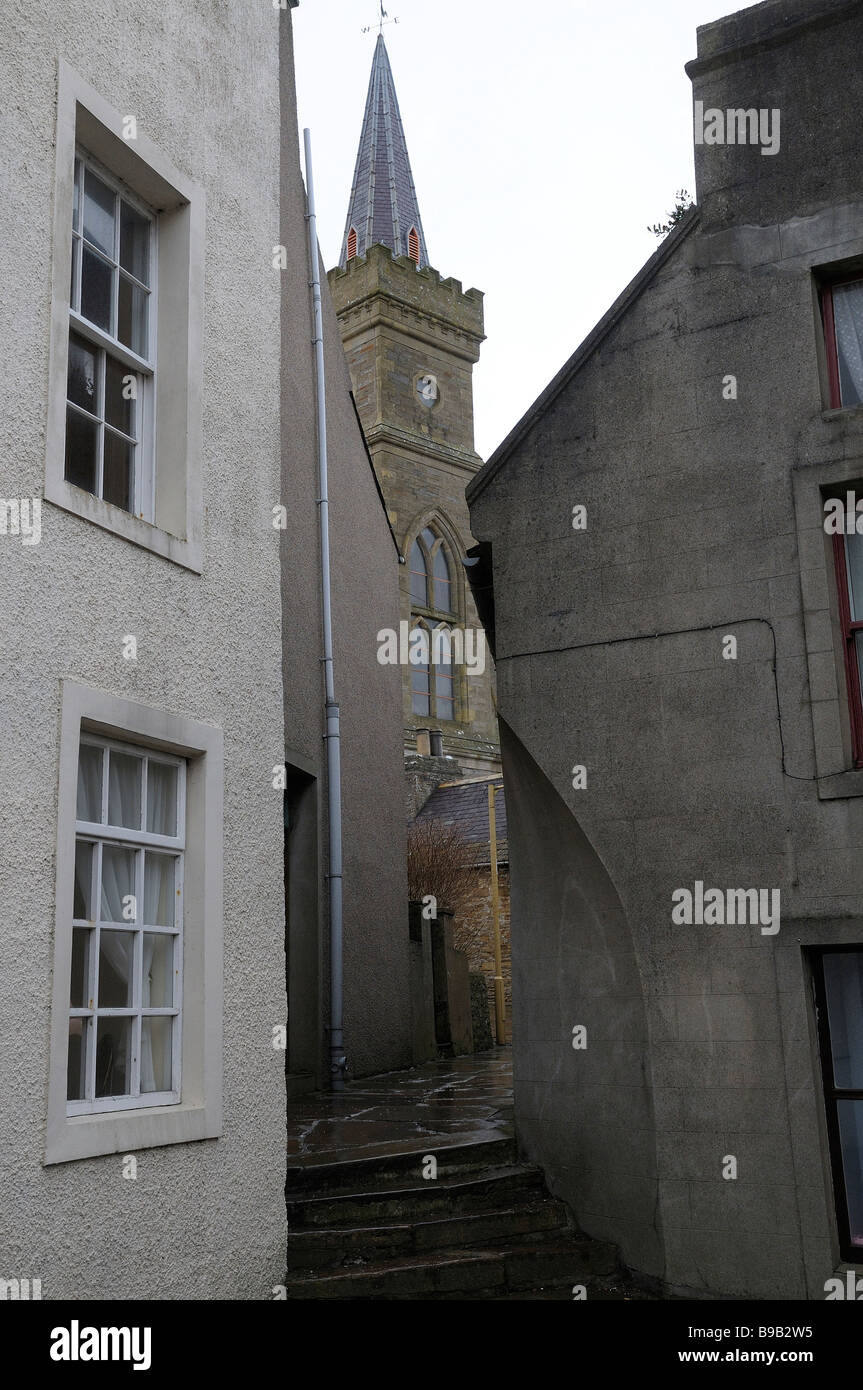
point(597, 334)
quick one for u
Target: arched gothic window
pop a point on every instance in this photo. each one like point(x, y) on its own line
point(352, 243)
point(414, 245)
point(433, 603)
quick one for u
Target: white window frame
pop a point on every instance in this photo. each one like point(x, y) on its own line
point(99, 834)
point(174, 526)
point(143, 368)
point(74, 1131)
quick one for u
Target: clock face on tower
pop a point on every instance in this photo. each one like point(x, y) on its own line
point(427, 389)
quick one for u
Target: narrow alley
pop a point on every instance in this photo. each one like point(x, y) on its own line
point(408, 1185)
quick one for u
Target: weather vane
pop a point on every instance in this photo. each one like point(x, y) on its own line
point(384, 19)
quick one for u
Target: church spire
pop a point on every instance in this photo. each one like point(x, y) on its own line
point(383, 206)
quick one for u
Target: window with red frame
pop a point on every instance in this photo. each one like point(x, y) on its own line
point(842, 312)
point(848, 554)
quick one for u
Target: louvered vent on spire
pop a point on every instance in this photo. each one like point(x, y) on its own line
point(383, 206)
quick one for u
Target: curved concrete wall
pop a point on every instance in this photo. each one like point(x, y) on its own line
point(585, 1112)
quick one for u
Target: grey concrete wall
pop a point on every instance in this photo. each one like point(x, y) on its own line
point(365, 577)
point(203, 82)
point(704, 520)
point(817, 44)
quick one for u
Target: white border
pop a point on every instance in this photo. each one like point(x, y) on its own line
point(84, 118)
point(199, 1113)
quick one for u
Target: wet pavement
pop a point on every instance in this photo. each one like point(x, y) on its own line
point(459, 1100)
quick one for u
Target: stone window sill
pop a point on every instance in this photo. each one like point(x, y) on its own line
point(842, 784)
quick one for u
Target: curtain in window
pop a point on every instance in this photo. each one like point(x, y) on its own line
point(118, 882)
point(158, 890)
point(89, 783)
point(124, 791)
point(156, 1040)
point(848, 319)
point(843, 979)
point(161, 798)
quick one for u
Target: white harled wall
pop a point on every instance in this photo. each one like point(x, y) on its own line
point(204, 1219)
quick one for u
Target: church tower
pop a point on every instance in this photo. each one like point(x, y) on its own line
point(411, 340)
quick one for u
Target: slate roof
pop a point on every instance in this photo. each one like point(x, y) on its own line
point(383, 205)
point(465, 805)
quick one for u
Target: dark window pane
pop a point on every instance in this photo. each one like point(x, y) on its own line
point(117, 471)
point(854, 559)
point(851, 1139)
point(419, 584)
point(848, 318)
point(429, 536)
point(115, 969)
point(118, 412)
point(114, 1057)
point(82, 906)
point(442, 586)
point(79, 994)
point(843, 980)
point(420, 703)
point(98, 212)
point(76, 251)
point(420, 680)
point(134, 242)
point(79, 1033)
point(82, 374)
point(81, 443)
point(76, 195)
point(132, 316)
point(444, 708)
point(96, 290)
point(858, 648)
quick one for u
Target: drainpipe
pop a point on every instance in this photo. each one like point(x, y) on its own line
point(338, 1060)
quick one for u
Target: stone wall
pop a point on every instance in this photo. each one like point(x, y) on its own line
point(397, 323)
point(474, 933)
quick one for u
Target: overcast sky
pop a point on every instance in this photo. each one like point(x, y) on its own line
point(544, 137)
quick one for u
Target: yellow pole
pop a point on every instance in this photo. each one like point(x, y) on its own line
point(499, 1002)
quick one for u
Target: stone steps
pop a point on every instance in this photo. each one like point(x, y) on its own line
point(452, 1272)
point(496, 1187)
point(486, 1227)
point(316, 1248)
point(395, 1169)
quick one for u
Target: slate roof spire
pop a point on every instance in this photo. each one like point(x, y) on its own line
point(383, 206)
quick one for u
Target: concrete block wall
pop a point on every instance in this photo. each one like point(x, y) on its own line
point(704, 522)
